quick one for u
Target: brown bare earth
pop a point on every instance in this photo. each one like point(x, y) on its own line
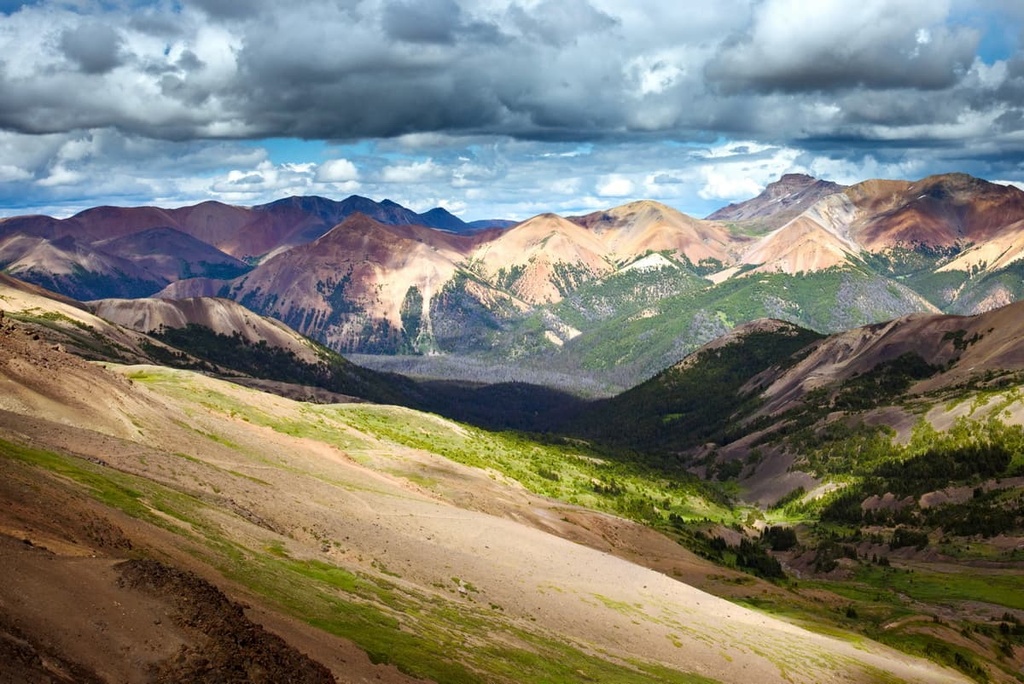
point(242, 513)
point(222, 316)
point(968, 347)
point(72, 611)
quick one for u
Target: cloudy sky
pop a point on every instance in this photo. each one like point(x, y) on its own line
point(493, 108)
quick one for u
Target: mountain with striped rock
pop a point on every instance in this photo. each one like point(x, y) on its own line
point(351, 287)
point(943, 214)
point(944, 211)
point(567, 293)
point(815, 240)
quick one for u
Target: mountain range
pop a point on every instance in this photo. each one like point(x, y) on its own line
point(137, 251)
point(361, 276)
point(568, 295)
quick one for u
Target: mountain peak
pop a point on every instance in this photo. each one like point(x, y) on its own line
point(780, 202)
point(547, 216)
point(945, 185)
point(439, 211)
point(439, 217)
point(791, 183)
point(650, 226)
point(646, 204)
point(796, 177)
point(295, 199)
point(357, 220)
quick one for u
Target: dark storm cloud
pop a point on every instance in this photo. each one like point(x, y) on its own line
point(230, 9)
point(915, 60)
point(559, 22)
point(189, 61)
point(94, 47)
point(548, 70)
point(431, 21)
point(860, 87)
point(160, 25)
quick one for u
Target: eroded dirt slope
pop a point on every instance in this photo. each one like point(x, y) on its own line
point(300, 511)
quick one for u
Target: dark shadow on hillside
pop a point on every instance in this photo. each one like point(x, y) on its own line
point(503, 406)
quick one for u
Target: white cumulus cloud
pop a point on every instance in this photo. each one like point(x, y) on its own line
point(337, 171)
point(615, 186)
point(413, 172)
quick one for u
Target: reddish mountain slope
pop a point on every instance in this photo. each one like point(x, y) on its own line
point(172, 254)
point(938, 211)
point(967, 347)
point(352, 281)
point(239, 231)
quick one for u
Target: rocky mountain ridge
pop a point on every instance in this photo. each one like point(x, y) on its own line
point(781, 201)
point(378, 280)
point(85, 255)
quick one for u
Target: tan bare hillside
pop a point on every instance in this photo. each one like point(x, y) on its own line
point(638, 227)
point(70, 323)
point(805, 244)
point(313, 513)
point(990, 256)
point(223, 316)
point(965, 347)
point(540, 259)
